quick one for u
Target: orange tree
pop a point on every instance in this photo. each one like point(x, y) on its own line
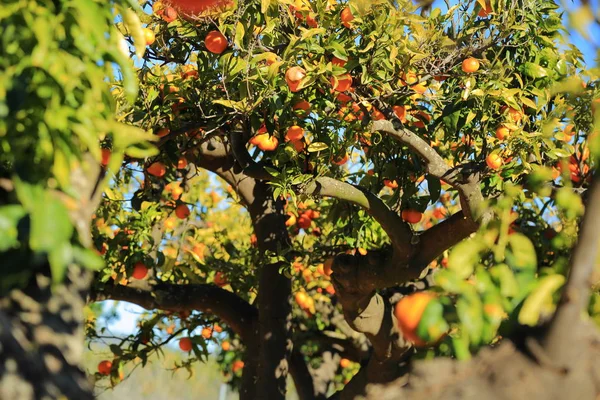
point(340, 188)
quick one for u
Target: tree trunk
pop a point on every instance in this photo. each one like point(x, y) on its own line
point(42, 341)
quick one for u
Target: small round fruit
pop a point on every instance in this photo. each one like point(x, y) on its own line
point(304, 222)
point(302, 107)
point(411, 216)
point(104, 367)
point(237, 365)
point(392, 184)
point(220, 280)
point(470, 65)
point(169, 14)
point(215, 42)
point(494, 161)
point(226, 346)
point(157, 169)
point(149, 36)
point(295, 133)
point(140, 271)
point(400, 112)
point(338, 62)
point(105, 157)
point(341, 83)
point(408, 312)
point(185, 344)
point(301, 299)
point(182, 211)
point(206, 333)
point(295, 74)
point(345, 363)
point(347, 17)
point(341, 159)
point(327, 266)
point(182, 163)
point(162, 132)
point(502, 132)
point(291, 220)
point(484, 12)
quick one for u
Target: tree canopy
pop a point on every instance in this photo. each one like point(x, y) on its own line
point(327, 190)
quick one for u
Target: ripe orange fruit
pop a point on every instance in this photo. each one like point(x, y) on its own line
point(302, 107)
point(303, 221)
point(157, 169)
point(189, 71)
point(217, 328)
point(411, 216)
point(330, 289)
point(206, 333)
point(345, 363)
point(341, 83)
point(513, 114)
point(347, 17)
point(162, 132)
point(220, 280)
point(301, 299)
point(140, 271)
point(470, 65)
point(149, 36)
point(377, 115)
point(338, 61)
point(237, 365)
point(484, 12)
point(169, 14)
point(226, 346)
point(193, 8)
point(327, 266)
point(291, 220)
point(408, 312)
point(185, 344)
point(264, 141)
point(295, 74)
point(502, 132)
point(182, 211)
point(422, 118)
point(494, 161)
point(182, 163)
point(104, 367)
point(340, 159)
point(105, 157)
point(343, 98)
point(392, 184)
point(295, 133)
point(400, 112)
point(215, 42)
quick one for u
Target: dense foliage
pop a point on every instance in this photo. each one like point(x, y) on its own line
point(386, 133)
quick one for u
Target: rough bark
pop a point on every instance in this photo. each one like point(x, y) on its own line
point(274, 294)
point(41, 339)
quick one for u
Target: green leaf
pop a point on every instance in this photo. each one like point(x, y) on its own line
point(505, 277)
point(10, 215)
point(432, 325)
point(534, 70)
point(88, 258)
point(541, 296)
point(435, 188)
point(464, 257)
point(59, 257)
point(134, 27)
point(317, 146)
point(521, 254)
point(470, 312)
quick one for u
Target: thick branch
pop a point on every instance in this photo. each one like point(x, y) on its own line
point(434, 241)
point(576, 294)
point(390, 221)
point(250, 167)
point(467, 186)
point(233, 310)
